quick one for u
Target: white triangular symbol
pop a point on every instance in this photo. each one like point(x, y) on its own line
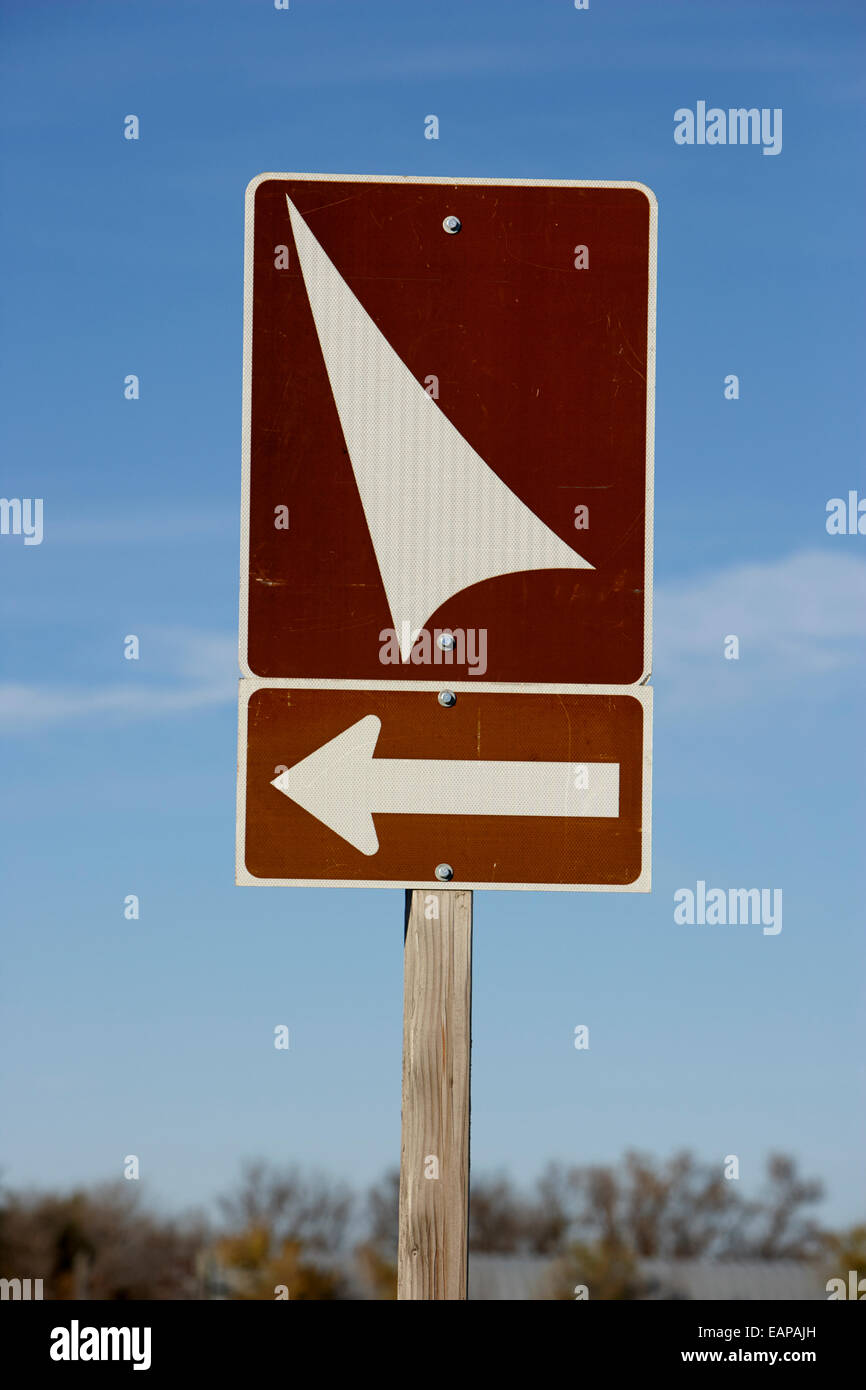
point(439, 517)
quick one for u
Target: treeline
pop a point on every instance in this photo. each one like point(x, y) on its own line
point(286, 1229)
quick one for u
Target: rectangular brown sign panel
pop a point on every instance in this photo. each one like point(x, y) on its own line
point(448, 426)
point(385, 787)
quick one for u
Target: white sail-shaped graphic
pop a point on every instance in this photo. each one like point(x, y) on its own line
point(439, 517)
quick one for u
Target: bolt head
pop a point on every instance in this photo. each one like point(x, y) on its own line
point(447, 698)
point(446, 641)
point(444, 872)
point(452, 225)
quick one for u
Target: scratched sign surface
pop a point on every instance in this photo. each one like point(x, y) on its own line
point(448, 414)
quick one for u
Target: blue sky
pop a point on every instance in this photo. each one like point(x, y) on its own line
point(155, 1037)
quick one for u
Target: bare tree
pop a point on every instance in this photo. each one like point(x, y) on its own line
point(382, 1214)
point(552, 1213)
point(679, 1208)
point(312, 1209)
point(783, 1231)
point(498, 1216)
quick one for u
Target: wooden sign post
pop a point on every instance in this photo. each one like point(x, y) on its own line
point(432, 1260)
point(445, 617)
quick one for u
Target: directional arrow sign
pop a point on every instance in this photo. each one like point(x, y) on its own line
point(509, 790)
point(446, 532)
point(342, 786)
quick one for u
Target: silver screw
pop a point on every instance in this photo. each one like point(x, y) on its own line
point(452, 225)
point(444, 872)
point(446, 641)
point(447, 698)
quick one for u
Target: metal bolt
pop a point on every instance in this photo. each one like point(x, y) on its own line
point(452, 225)
point(447, 698)
point(444, 872)
point(446, 641)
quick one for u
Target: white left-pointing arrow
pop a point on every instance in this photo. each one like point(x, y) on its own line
point(343, 785)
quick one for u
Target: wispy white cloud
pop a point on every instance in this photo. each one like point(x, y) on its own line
point(800, 620)
point(28, 705)
point(198, 670)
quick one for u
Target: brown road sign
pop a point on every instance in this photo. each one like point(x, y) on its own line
point(445, 616)
point(501, 789)
point(448, 426)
